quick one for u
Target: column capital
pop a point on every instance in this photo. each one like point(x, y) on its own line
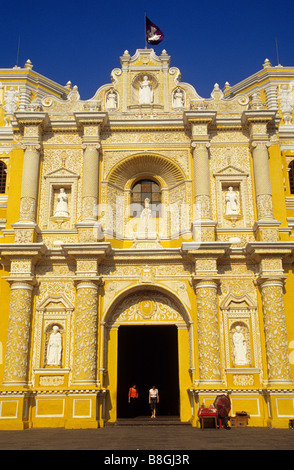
point(91, 146)
point(206, 281)
point(201, 144)
point(31, 146)
point(271, 280)
point(259, 144)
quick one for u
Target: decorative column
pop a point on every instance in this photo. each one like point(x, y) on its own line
point(124, 60)
point(263, 189)
point(30, 183)
point(90, 182)
point(208, 332)
point(203, 227)
point(86, 355)
point(85, 350)
point(257, 120)
point(201, 180)
point(22, 260)
point(279, 372)
point(206, 282)
point(91, 123)
point(17, 349)
point(31, 124)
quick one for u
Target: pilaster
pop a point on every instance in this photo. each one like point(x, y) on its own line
point(85, 348)
point(91, 124)
point(279, 373)
point(203, 227)
point(22, 262)
point(271, 280)
point(206, 282)
point(86, 358)
point(266, 227)
point(208, 332)
point(31, 125)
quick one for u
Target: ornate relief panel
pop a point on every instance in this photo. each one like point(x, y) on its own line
point(241, 332)
point(60, 199)
point(148, 307)
point(54, 319)
point(232, 197)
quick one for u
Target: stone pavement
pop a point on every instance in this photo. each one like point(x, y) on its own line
point(147, 438)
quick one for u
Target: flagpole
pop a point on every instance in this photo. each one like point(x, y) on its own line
point(145, 33)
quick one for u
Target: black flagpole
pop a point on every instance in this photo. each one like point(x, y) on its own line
point(145, 33)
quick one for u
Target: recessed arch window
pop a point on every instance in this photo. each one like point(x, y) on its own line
point(291, 176)
point(142, 190)
point(3, 171)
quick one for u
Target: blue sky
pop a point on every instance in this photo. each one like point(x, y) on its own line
point(210, 42)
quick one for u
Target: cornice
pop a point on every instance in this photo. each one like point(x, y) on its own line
point(31, 118)
point(268, 74)
point(91, 117)
point(260, 115)
point(145, 124)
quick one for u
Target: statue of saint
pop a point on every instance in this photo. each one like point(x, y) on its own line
point(10, 101)
point(145, 91)
point(231, 202)
point(178, 98)
point(54, 348)
point(240, 348)
point(146, 227)
point(62, 205)
point(286, 103)
point(111, 99)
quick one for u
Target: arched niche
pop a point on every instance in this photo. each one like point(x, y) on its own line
point(53, 310)
point(241, 311)
point(115, 208)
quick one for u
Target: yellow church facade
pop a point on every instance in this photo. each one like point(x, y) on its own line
point(146, 237)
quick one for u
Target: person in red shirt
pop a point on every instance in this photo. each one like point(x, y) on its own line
point(133, 400)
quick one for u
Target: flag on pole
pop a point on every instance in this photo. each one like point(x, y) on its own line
point(154, 35)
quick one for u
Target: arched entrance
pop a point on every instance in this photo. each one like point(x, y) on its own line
point(148, 355)
point(149, 340)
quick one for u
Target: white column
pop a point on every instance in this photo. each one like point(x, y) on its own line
point(30, 183)
point(90, 182)
point(85, 352)
point(17, 349)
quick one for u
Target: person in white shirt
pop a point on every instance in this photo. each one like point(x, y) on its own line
point(153, 400)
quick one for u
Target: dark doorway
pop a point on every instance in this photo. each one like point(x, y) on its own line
point(148, 355)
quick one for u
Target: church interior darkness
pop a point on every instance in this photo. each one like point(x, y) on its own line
point(148, 355)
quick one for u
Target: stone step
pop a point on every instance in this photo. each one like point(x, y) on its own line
point(148, 421)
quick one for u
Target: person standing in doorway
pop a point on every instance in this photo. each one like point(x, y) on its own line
point(153, 400)
point(133, 400)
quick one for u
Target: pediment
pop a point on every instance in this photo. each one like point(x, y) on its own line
point(55, 302)
point(238, 302)
point(231, 170)
point(62, 172)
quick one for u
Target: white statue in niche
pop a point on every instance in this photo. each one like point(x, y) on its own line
point(10, 100)
point(146, 227)
point(62, 204)
point(54, 348)
point(111, 99)
point(286, 103)
point(145, 91)
point(178, 98)
point(240, 347)
point(231, 202)
point(10, 106)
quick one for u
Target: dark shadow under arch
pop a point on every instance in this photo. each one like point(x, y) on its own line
point(148, 355)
